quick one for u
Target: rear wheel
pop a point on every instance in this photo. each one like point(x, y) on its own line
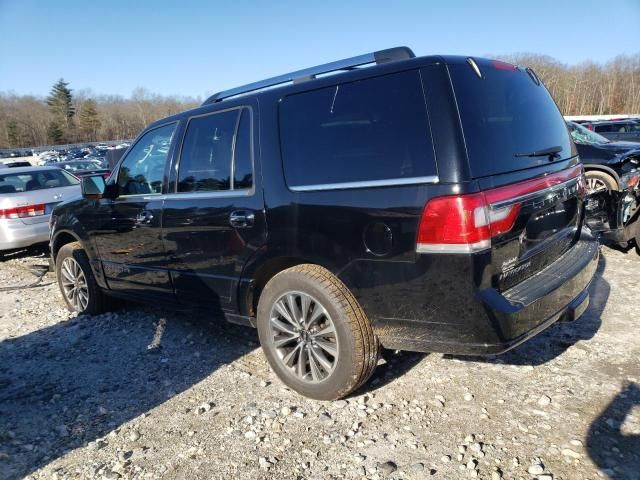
point(77, 282)
point(314, 333)
point(599, 181)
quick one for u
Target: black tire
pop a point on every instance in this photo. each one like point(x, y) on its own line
point(602, 177)
point(356, 345)
point(97, 302)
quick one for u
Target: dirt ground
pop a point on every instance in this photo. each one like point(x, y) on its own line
point(144, 393)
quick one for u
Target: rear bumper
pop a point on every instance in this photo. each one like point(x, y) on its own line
point(495, 322)
point(16, 234)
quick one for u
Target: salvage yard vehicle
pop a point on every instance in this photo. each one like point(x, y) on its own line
point(605, 161)
point(432, 204)
point(83, 168)
point(615, 215)
point(627, 130)
point(27, 197)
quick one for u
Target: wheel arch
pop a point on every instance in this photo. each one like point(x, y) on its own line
point(259, 275)
point(62, 238)
point(604, 169)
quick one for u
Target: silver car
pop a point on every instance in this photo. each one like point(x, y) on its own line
point(27, 196)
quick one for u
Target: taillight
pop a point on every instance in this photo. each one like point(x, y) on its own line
point(23, 211)
point(467, 223)
point(463, 224)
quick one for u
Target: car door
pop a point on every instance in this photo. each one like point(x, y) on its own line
point(215, 217)
point(127, 229)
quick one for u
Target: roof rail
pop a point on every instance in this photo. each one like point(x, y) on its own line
point(381, 56)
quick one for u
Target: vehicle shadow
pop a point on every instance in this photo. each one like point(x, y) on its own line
point(64, 386)
point(617, 454)
point(395, 365)
point(37, 252)
point(556, 339)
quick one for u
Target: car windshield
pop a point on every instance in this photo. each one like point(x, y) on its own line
point(583, 135)
point(75, 167)
point(36, 180)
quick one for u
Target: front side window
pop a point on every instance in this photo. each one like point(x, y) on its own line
point(216, 153)
point(369, 130)
point(142, 171)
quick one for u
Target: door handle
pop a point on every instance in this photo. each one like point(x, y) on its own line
point(242, 219)
point(144, 217)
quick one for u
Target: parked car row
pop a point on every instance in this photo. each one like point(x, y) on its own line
point(97, 152)
point(333, 213)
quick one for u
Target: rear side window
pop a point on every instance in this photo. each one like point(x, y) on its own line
point(211, 144)
point(506, 115)
point(37, 180)
point(369, 130)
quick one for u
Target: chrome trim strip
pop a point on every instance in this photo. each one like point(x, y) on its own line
point(537, 193)
point(453, 247)
point(366, 183)
point(204, 195)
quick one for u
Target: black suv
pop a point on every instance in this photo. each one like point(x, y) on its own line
point(427, 204)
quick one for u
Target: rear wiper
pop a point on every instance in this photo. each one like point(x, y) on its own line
point(551, 152)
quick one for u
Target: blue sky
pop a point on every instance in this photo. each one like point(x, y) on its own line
point(197, 47)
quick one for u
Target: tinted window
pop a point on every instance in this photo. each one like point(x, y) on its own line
point(603, 128)
point(39, 180)
point(506, 113)
point(374, 129)
point(243, 171)
point(205, 162)
point(142, 170)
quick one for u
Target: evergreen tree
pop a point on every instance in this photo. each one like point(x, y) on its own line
point(89, 120)
point(60, 103)
point(55, 132)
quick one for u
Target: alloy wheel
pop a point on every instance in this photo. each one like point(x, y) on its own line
point(74, 284)
point(304, 336)
point(595, 185)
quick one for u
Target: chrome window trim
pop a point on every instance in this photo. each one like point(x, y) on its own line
point(209, 194)
point(180, 147)
point(366, 184)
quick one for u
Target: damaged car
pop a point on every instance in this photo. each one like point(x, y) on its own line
point(615, 215)
point(605, 162)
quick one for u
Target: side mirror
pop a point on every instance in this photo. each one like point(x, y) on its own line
point(93, 187)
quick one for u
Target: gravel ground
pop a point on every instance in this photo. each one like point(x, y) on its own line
point(143, 393)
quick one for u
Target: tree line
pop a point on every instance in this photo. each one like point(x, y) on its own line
point(64, 117)
point(68, 117)
point(588, 88)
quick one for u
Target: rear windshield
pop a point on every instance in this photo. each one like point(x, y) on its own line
point(505, 114)
point(37, 180)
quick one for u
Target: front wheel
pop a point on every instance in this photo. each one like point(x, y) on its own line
point(77, 282)
point(314, 333)
point(599, 182)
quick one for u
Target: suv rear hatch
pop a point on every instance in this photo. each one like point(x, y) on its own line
point(528, 212)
